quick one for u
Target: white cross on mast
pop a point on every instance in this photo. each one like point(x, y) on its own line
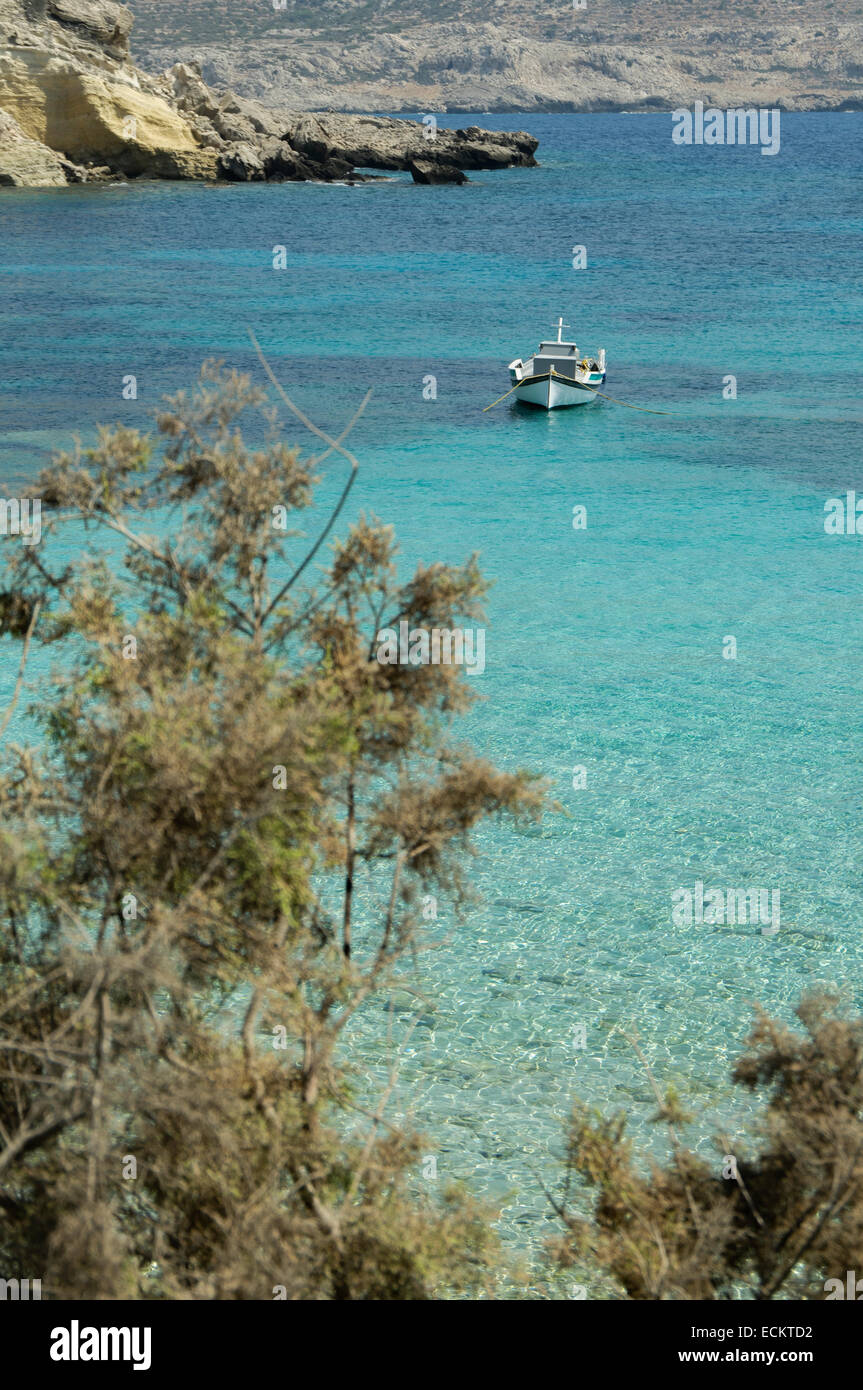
point(560, 326)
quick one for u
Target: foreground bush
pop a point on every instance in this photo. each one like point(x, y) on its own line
point(221, 850)
point(778, 1223)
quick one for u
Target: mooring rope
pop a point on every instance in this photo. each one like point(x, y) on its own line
point(502, 398)
point(583, 384)
point(643, 408)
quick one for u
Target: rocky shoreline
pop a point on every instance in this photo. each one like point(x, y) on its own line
point(74, 108)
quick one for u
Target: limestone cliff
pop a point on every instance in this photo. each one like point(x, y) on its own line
point(25, 163)
point(67, 79)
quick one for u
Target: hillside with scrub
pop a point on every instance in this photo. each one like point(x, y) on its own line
point(375, 55)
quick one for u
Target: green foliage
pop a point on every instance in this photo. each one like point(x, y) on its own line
point(778, 1224)
point(221, 840)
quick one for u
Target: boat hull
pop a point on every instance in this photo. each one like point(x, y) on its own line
point(554, 392)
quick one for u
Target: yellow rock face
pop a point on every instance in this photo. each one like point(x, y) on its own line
point(89, 116)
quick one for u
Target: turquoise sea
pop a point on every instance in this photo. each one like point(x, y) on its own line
point(605, 645)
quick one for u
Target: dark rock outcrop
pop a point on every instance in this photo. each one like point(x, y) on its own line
point(424, 171)
point(384, 142)
point(241, 163)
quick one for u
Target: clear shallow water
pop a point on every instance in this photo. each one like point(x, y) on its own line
point(605, 645)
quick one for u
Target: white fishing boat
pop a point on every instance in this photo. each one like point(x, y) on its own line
point(556, 375)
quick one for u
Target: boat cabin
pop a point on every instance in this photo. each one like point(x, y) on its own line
point(562, 356)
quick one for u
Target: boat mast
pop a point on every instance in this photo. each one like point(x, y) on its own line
point(560, 326)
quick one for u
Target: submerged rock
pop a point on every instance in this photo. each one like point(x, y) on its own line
point(425, 171)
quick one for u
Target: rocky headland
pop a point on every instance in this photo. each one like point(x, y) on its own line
point(75, 108)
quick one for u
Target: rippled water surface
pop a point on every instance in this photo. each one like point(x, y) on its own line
point(605, 645)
